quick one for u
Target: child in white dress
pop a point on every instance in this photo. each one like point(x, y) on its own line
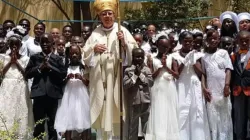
point(74, 112)
point(163, 118)
point(217, 67)
point(193, 122)
point(15, 102)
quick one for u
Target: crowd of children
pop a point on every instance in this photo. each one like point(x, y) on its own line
point(201, 85)
point(182, 84)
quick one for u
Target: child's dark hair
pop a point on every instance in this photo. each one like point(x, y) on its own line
point(67, 57)
point(171, 34)
point(228, 37)
point(67, 26)
point(210, 32)
point(197, 34)
point(137, 49)
point(18, 37)
point(138, 33)
point(160, 38)
point(24, 19)
point(208, 27)
point(243, 32)
point(41, 23)
point(183, 35)
point(8, 20)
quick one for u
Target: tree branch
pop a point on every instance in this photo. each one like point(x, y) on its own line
point(59, 6)
point(59, 3)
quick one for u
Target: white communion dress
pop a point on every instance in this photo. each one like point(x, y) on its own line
point(74, 111)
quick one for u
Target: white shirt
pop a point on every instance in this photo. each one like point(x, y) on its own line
point(146, 47)
point(31, 48)
point(25, 39)
point(67, 45)
point(243, 58)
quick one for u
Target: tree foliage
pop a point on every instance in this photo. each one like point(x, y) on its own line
point(239, 6)
point(170, 10)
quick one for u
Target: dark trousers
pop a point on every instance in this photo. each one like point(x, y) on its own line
point(241, 114)
point(135, 112)
point(45, 107)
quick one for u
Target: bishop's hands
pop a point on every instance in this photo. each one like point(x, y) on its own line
point(120, 36)
point(100, 48)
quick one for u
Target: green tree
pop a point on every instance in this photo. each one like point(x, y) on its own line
point(170, 10)
point(241, 6)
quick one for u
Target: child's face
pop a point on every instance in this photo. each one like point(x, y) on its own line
point(198, 42)
point(25, 24)
point(74, 54)
point(60, 46)
point(8, 26)
point(138, 39)
point(163, 46)
point(67, 32)
point(187, 43)
point(86, 32)
point(226, 43)
point(213, 41)
point(172, 41)
point(14, 43)
point(243, 41)
point(77, 41)
point(46, 42)
point(138, 57)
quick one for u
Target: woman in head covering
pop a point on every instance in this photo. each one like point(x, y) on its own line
point(229, 20)
point(243, 21)
point(101, 54)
